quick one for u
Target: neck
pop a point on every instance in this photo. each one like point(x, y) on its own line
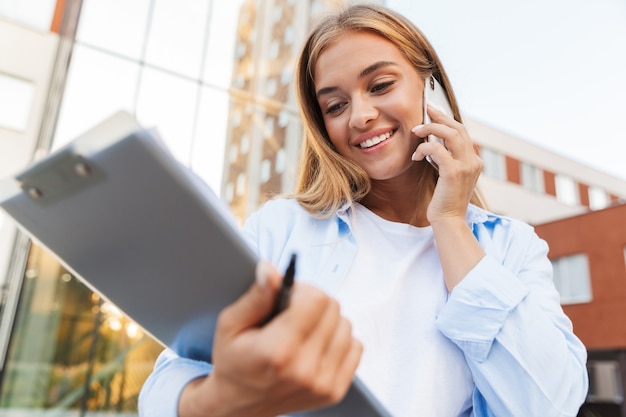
point(399, 201)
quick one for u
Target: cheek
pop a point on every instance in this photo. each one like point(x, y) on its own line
point(337, 133)
point(408, 108)
point(403, 104)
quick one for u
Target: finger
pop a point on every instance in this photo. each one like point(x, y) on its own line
point(346, 369)
point(338, 348)
point(325, 331)
point(456, 139)
point(439, 116)
point(446, 133)
point(307, 305)
point(435, 149)
point(337, 364)
point(255, 304)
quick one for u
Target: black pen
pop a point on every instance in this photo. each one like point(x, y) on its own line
point(282, 298)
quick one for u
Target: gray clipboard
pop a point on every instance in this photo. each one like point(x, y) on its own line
point(138, 228)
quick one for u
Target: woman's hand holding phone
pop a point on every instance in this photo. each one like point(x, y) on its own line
point(446, 142)
point(434, 96)
point(459, 168)
point(459, 165)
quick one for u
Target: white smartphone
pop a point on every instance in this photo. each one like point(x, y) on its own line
point(434, 94)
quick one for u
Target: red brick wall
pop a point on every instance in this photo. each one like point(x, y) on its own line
point(601, 323)
point(513, 170)
point(583, 192)
point(549, 182)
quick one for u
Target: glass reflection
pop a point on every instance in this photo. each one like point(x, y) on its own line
point(69, 349)
point(177, 36)
point(98, 84)
point(117, 26)
point(16, 97)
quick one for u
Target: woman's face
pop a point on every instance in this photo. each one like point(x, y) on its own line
point(370, 97)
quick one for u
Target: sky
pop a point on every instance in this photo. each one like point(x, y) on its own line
point(552, 72)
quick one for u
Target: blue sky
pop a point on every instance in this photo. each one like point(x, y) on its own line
point(552, 72)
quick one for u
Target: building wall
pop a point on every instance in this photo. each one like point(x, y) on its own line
point(264, 134)
point(545, 199)
point(601, 323)
point(26, 65)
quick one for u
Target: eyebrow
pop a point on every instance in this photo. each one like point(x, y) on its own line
point(367, 71)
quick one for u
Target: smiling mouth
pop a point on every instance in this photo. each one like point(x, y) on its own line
point(375, 140)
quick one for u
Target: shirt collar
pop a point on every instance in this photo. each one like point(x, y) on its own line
point(475, 215)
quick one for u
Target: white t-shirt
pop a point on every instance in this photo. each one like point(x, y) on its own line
point(392, 295)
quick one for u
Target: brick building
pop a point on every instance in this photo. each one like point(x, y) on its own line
point(589, 255)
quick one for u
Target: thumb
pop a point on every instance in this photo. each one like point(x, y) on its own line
point(256, 303)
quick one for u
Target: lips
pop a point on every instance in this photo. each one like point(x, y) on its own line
point(375, 140)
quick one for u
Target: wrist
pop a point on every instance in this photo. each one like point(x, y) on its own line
point(449, 222)
point(458, 248)
point(199, 399)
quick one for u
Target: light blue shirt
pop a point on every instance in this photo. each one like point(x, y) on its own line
point(504, 315)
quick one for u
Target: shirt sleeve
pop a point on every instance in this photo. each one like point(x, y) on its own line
point(161, 391)
point(506, 317)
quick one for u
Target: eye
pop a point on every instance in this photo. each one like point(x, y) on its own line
point(381, 87)
point(335, 108)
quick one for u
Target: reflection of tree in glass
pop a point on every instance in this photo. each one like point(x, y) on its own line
point(69, 349)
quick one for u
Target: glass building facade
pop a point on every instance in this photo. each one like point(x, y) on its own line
point(215, 78)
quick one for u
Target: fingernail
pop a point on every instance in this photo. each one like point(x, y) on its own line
point(434, 106)
point(262, 272)
point(416, 128)
point(414, 156)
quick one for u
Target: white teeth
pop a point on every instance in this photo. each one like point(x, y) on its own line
point(375, 140)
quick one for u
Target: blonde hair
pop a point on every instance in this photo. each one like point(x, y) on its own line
point(327, 180)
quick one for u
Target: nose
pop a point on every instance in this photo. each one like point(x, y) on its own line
point(362, 112)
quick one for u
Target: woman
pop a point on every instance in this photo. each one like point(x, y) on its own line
point(453, 309)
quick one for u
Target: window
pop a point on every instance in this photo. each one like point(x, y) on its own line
point(598, 198)
point(176, 41)
point(241, 184)
point(128, 39)
point(566, 190)
point(290, 34)
point(277, 13)
point(532, 177)
point(229, 192)
point(285, 76)
point(271, 86)
point(35, 13)
point(241, 50)
point(235, 117)
point(604, 381)
point(269, 127)
point(572, 279)
point(66, 338)
point(283, 118)
point(494, 164)
point(281, 161)
point(16, 97)
point(274, 50)
point(94, 74)
point(266, 170)
point(233, 154)
point(169, 103)
point(245, 143)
